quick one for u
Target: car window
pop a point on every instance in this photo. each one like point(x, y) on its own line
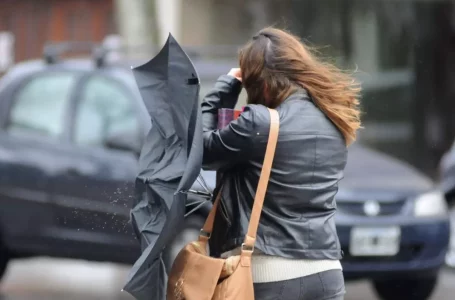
point(105, 110)
point(39, 106)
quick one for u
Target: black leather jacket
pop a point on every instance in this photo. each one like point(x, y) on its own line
point(297, 220)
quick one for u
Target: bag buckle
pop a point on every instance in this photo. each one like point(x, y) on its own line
point(205, 234)
point(247, 248)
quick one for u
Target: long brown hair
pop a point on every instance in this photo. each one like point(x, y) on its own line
point(275, 63)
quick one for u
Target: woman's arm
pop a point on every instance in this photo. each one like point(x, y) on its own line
point(224, 94)
point(233, 143)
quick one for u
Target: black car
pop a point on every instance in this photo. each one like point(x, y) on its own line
point(70, 134)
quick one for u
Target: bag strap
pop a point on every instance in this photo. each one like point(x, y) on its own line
point(261, 190)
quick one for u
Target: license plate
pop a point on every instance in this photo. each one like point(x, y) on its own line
point(375, 241)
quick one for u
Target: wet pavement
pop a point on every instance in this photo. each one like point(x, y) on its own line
point(59, 279)
point(62, 279)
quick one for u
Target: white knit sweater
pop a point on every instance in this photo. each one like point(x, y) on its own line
point(266, 268)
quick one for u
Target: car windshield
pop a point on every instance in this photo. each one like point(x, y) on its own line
point(40, 106)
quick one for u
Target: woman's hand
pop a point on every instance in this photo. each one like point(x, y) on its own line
point(237, 73)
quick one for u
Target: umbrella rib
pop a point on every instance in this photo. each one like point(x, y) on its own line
point(194, 209)
point(192, 203)
point(202, 182)
point(199, 193)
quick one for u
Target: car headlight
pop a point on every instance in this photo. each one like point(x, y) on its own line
point(431, 205)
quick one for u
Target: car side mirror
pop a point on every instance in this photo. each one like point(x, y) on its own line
point(126, 141)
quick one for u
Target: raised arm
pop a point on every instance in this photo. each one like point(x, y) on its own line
point(234, 143)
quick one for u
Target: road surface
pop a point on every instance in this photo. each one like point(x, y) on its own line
point(59, 279)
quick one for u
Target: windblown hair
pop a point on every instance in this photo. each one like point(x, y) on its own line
point(275, 63)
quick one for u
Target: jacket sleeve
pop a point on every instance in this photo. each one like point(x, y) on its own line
point(232, 144)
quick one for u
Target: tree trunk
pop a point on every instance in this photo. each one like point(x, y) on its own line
point(434, 110)
point(137, 23)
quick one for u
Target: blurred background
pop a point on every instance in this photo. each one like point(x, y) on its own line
point(403, 53)
point(403, 49)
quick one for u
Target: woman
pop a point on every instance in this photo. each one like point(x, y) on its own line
point(297, 248)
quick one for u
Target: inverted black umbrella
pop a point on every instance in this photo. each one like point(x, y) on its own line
point(170, 163)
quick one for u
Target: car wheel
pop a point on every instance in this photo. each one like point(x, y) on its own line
point(189, 233)
point(4, 259)
point(450, 257)
point(416, 289)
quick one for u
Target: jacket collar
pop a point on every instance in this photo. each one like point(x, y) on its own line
point(299, 94)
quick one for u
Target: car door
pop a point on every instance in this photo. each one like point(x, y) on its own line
point(95, 190)
point(30, 146)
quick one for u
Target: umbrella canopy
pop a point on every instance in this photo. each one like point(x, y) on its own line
point(170, 162)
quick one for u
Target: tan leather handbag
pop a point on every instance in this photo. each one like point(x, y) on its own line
point(197, 276)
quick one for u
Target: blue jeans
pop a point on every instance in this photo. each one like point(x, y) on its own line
point(328, 285)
